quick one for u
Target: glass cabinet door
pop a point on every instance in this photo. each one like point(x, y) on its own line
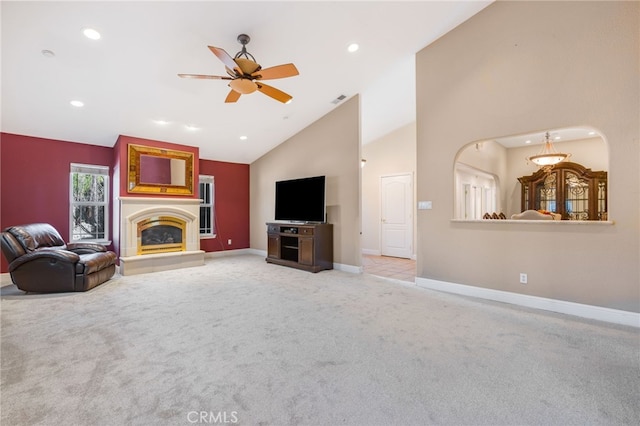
point(602, 200)
point(576, 196)
point(545, 198)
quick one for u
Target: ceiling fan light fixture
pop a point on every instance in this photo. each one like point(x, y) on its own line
point(243, 85)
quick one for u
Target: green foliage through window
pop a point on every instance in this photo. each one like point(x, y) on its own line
point(89, 203)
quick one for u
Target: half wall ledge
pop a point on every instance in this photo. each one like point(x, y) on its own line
point(160, 262)
point(538, 222)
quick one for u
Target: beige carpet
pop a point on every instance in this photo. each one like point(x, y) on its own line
point(258, 344)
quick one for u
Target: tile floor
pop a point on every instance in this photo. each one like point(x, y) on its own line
point(389, 267)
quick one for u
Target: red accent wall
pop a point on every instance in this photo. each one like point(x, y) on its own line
point(231, 196)
point(34, 179)
point(34, 185)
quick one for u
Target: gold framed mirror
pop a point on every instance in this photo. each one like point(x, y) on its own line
point(159, 171)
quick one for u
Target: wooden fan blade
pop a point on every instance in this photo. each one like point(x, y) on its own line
point(279, 71)
point(226, 59)
point(233, 96)
point(208, 77)
point(276, 94)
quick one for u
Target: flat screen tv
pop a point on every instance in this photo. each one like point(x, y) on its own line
point(301, 200)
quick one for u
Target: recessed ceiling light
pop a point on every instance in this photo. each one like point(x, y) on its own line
point(243, 138)
point(557, 138)
point(527, 142)
point(591, 133)
point(353, 47)
point(191, 127)
point(48, 53)
point(91, 33)
point(77, 104)
point(161, 122)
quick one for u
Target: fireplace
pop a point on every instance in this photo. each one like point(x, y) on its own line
point(158, 234)
point(161, 234)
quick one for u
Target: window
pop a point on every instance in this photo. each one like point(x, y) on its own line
point(89, 209)
point(207, 222)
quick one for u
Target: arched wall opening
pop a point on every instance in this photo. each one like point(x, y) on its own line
point(505, 159)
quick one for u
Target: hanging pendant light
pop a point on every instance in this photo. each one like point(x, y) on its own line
point(548, 156)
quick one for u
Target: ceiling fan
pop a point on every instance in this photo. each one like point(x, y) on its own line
point(246, 74)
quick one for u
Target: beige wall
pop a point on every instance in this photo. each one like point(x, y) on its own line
point(329, 147)
point(392, 154)
point(518, 67)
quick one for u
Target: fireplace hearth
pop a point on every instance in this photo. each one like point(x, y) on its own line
point(159, 234)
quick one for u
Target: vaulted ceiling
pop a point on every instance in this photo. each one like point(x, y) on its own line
point(128, 79)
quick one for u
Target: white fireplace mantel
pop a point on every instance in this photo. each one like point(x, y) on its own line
point(136, 209)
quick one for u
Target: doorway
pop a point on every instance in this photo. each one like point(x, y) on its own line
point(396, 215)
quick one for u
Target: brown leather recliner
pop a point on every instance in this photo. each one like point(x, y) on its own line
point(40, 261)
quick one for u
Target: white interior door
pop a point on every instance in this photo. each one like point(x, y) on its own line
point(396, 216)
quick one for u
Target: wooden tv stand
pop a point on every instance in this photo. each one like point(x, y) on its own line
point(302, 246)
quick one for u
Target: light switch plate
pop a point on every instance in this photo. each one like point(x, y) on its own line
point(425, 205)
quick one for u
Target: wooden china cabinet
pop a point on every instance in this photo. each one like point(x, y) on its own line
point(570, 189)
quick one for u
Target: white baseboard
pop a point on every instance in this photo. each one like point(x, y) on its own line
point(347, 268)
point(236, 252)
point(559, 306)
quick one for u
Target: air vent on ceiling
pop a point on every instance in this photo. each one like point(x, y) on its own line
point(338, 99)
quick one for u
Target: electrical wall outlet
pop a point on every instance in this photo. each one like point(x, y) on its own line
point(523, 278)
point(229, 241)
